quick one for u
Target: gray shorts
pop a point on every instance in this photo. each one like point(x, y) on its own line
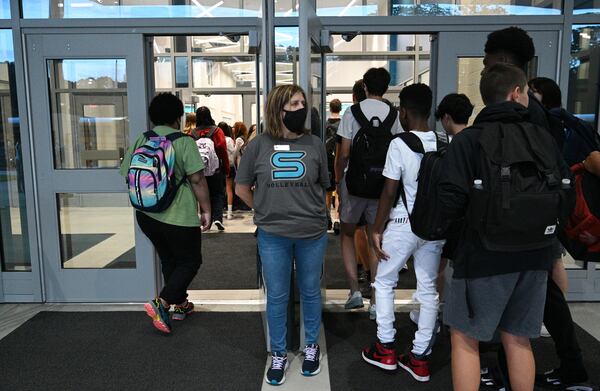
point(513, 303)
point(352, 207)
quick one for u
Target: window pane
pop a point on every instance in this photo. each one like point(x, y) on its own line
point(89, 113)
point(586, 7)
point(14, 236)
point(224, 72)
point(4, 9)
point(67, 9)
point(96, 231)
point(437, 7)
point(584, 73)
point(469, 75)
point(219, 44)
point(286, 55)
point(181, 72)
point(163, 76)
point(287, 7)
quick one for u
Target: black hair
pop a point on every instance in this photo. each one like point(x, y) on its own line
point(335, 106)
point(358, 90)
point(225, 128)
point(512, 41)
point(165, 108)
point(203, 117)
point(499, 80)
point(457, 106)
point(377, 81)
point(417, 99)
point(550, 91)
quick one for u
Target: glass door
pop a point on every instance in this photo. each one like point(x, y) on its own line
point(460, 62)
point(313, 43)
point(88, 104)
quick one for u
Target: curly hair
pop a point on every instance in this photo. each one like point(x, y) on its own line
point(513, 41)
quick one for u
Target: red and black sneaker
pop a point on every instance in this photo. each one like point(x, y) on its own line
point(417, 367)
point(381, 355)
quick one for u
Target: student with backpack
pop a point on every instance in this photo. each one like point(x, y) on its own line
point(514, 46)
point(394, 241)
point(580, 137)
point(366, 130)
point(506, 176)
point(453, 112)
point(166, 184)
point(228, 132)
point(212, 146)
point(331, 127)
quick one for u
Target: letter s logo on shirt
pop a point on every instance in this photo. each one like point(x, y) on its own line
point(288, 165)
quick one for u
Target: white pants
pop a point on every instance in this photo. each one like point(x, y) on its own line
point(400, 243)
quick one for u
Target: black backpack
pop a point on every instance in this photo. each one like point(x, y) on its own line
point(580, 139)
point(521, 198)
point(426, 217)
point(364, 177)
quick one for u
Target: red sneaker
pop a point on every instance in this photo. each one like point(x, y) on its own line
point(418, 368)
point(380, 356)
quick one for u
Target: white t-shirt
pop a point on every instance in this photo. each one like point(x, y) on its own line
point(230, 149)
point(349, 126)
point(402, 163)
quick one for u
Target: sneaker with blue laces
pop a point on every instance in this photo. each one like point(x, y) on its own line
point(276, 374)
point(159, 314)
point(312, 359)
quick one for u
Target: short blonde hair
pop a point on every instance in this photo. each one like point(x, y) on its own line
point(277, 99)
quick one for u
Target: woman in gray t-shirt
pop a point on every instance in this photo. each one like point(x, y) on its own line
point(283, 176)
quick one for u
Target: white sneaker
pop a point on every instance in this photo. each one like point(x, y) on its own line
point(354, 301)
point(544, 332)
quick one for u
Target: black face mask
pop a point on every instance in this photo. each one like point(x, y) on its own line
point(294, 120)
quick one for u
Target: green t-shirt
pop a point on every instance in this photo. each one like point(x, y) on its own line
point(184, 209)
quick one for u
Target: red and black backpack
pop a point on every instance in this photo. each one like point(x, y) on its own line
point(584, 223)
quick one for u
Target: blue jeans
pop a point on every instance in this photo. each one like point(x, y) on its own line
point(277, 254)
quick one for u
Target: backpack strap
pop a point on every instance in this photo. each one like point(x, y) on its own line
point(412, 141)
point(416, 145)
point(388, 122)
point(150, 133)
point(212, 131)
point(359, 116)
point(176, 135)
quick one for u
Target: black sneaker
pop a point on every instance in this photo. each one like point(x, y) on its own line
point(219, 225)
point(336, 228)
point(276, 374)
point(312, 357)
point(553, 379)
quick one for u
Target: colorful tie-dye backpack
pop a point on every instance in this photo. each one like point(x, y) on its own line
point(151, 176)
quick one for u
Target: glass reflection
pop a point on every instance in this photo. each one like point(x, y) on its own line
point(584, 73)
point(14, 244)
point(437, 7)
point(89, 113)
point(581, 7)
point(4, 9)
point(96, 231)
point(67, 9)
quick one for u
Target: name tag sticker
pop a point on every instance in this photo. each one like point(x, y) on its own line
point(282, 147)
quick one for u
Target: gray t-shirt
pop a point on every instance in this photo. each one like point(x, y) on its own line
point(290, 178)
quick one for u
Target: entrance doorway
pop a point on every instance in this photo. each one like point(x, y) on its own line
point(219, 72)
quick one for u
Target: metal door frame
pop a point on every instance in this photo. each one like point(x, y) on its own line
point(73, 285)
